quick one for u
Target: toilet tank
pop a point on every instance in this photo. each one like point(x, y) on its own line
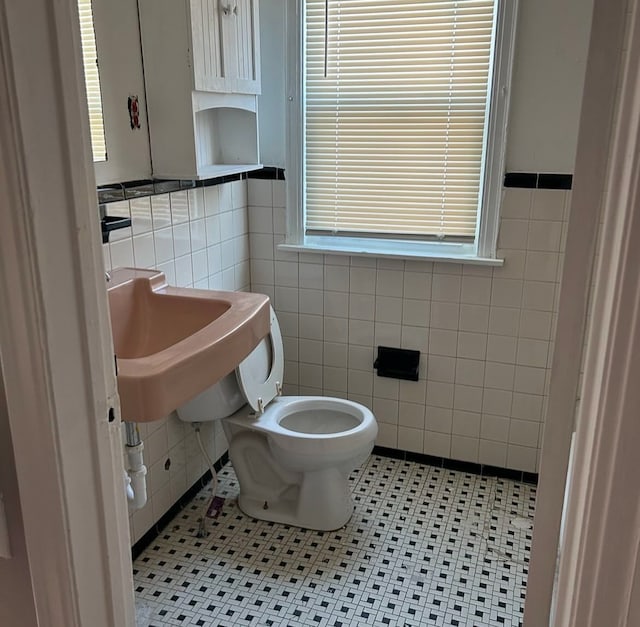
point(219, 401)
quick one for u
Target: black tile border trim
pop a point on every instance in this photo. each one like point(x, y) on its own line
point(452, 464)
point(555, 181)
point(269, 173)
point(128, 190)
point(527, 180)
point(172, 512)
point(538, 180)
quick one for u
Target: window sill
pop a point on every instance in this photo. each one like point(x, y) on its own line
point(358, 247)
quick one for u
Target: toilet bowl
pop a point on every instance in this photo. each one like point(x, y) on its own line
point(292, 454)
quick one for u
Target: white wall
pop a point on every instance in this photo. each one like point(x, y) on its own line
point(549, 67)
point(272, 101)
point(550, 58)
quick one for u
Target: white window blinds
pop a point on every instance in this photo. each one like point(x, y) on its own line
point(396, 103)
point(92, 80)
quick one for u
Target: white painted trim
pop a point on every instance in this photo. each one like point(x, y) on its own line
point(598, 581)
point(55, 342)
point(588, 186)
point(390, 249)
point(498, 119)
point(293, 149)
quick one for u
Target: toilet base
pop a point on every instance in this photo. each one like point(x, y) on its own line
point(321, 502)
point(314, 499)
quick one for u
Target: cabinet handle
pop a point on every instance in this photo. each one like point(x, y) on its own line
point(227, 10)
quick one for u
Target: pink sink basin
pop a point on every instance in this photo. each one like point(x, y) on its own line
point(173, 343)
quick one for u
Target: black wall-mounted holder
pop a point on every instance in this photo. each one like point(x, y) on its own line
point(397, 363)
point(112, 223)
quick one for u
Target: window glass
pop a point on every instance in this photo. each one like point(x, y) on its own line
point(92, 80)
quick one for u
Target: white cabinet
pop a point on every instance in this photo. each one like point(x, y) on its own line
point(202, 73)
point(225, 45)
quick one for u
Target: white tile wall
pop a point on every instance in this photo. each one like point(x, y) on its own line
point(198, 238)
point(485, 334)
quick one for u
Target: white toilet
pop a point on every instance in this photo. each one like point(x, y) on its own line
point(292, 454)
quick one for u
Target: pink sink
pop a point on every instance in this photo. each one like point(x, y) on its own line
point(173, 343)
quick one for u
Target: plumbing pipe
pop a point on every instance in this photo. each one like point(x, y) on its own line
point(137, 471)
point(214, 476)
point(132, 433)
point(127, 486)
point(201, 533)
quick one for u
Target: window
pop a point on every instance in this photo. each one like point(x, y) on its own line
point(401, 110)
point(92, 80)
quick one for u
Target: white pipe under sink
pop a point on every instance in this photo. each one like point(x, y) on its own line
point(136, 486)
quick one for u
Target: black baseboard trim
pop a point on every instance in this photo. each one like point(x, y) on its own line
point(453, 464)
point(172, 512)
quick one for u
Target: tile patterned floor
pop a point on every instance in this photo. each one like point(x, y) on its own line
point(426, 546)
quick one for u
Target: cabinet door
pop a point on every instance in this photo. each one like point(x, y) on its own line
point(225, 46)
point(210, 72)
point(244, 46)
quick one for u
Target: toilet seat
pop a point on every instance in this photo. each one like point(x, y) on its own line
point(260, 373)
point(348, 417)
point(354, 436)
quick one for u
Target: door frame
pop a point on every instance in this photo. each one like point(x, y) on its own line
point(604, 188)
point(55, 342)
point(599, 570)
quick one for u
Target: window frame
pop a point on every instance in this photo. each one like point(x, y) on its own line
point(484, 248)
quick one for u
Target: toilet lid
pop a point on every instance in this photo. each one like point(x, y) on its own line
point(260, 374)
